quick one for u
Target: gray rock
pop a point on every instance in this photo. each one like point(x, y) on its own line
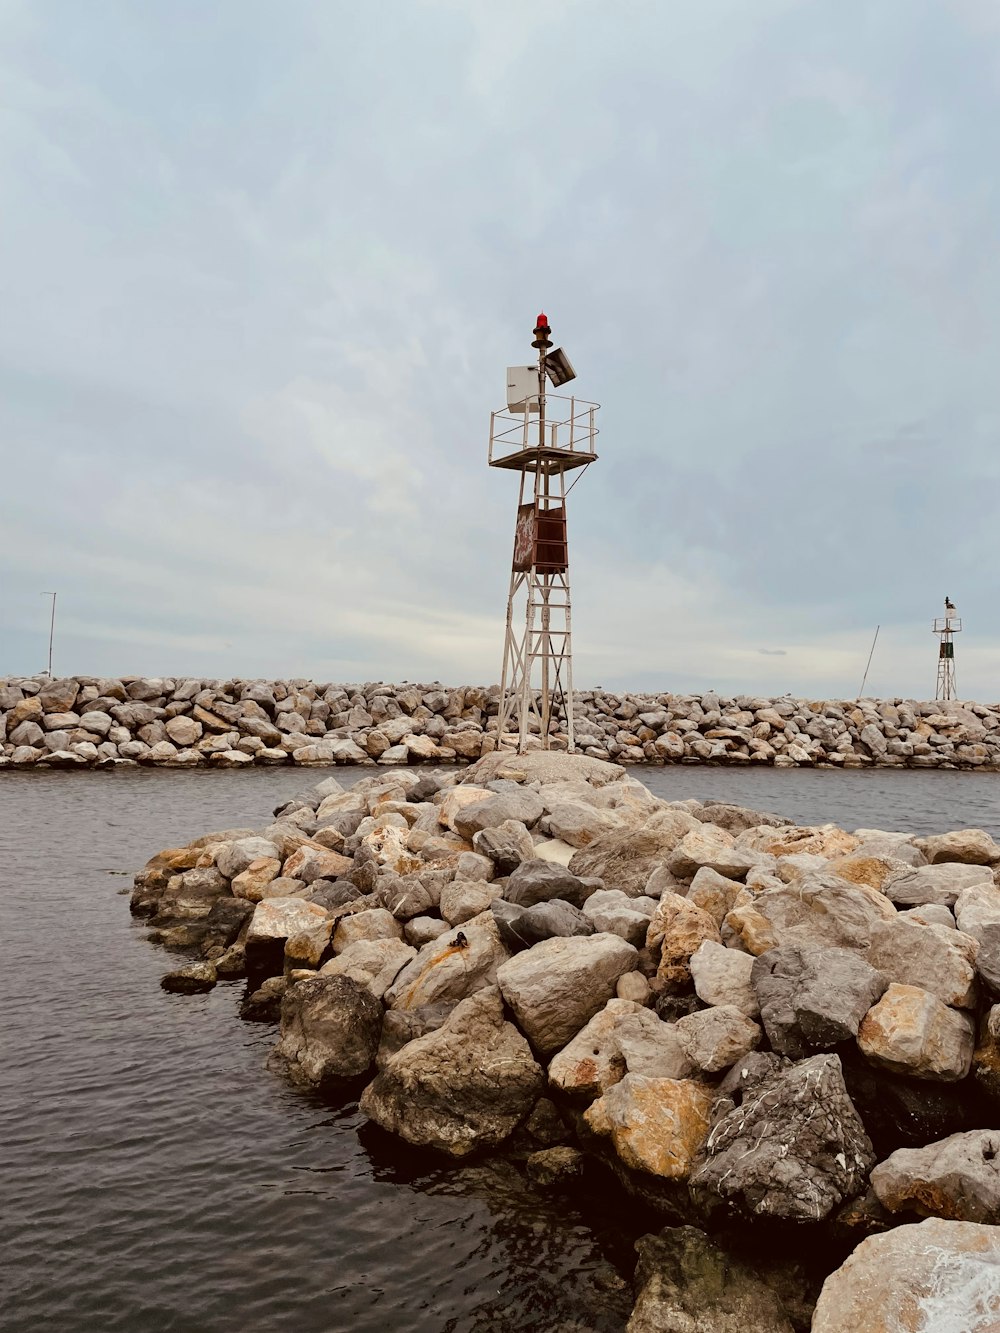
point(461, 900)
point(407, 896)
point(463, 1087)
point(931, 914)
point(812, 998)
point(505, 846)
point(957, 1177)
point(713, 1039)
point(538, 881)
point(616, 913)
point(522, 927)
point(190, 980)
point(688, 1284)
point(401, 1026)
point(422, 929)
point(796, 1150)
point(374, 924)
point(977, 912)
point(723, 976)
point(626, 860)
point(330, 1028)
point(934, 884)
point(820, 908)
point(521, 805)
point(556, 987)
point(934, 958)
point(232, 858)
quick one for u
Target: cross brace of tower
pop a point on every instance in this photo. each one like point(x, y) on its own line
point(543, 437)
point(945, 627)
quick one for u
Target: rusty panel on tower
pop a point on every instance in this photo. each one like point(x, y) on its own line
point(551, 553)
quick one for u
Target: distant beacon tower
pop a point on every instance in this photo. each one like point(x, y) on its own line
point(542, 437)
point(945, 626)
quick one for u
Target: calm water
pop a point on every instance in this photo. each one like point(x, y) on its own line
point(154, 1176)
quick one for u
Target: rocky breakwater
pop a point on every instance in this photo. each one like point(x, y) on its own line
point(774, 1036)
point(83, 721)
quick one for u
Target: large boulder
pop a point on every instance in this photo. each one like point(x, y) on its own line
point(374, 963)
point(544, 766)
point(625, 860)
point(496, 809)
point(623, 1038)
point(812, 998)
point(678, 928)
point(957, 1177)
point(820, 908)
point(714, 848)
point(970, 846)
point(910, 1031)
point(451, 967)
point(538, 881)
point(723, 976)
point(556, 987)
point(932, 1277)
point(463, 1087)
point(713, 1039)
point(687, 1282)
point(935, 958)
point(232, 858)
point(330, 1030)
point(821, 840)
point(918, 885)
point(656, 1125)
point(506, 846)
point(977, 911)
point(796, 1149)
point(274, 921)
point(523, 927)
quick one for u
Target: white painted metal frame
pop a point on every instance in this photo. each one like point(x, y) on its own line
point(945, 686)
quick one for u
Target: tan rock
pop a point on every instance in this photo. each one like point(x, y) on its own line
point(717, 894)
point(932, 1277)
point(870, 870)
point(657, 1125)
point(678, 929)
point(970, 846)
point(457, 797)
point(184, 730)
point(251, 883)
point(310, 862)
point(910, 1031)
point(823, 840)
point(374, 924)
point(938, 959)
point(622, 1038)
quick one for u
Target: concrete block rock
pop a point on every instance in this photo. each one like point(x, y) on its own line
point(463, 1087)
point(910, 1031)
point(713, 1039)
point(686, 1282)
point(813, 998)
point(722, 976)
point(919, 886)
point(524, 927)
point(821, 908)
point(656, 1125)
point(971, 846)
point(934, 1276)
point(935, 958)
point(330, 1028)
point(375, 963)
point(374, 924)
point(795, 1150)
point(233, 857)
point(678, 929)
point(451, 967)
point(556, 987)
point(957, 1178)
point(625, 860)
point(539, 881)
point(463, 899)
point(497, 808)
point(615, 913)
point(622, 1038)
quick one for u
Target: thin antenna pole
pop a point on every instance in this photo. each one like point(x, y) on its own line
point(52, 628)
point(870, 656)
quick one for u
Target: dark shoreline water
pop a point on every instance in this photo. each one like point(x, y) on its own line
point(156, 1177)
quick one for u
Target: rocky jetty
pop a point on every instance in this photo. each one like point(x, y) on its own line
point(769, 1034)
point(83, 722)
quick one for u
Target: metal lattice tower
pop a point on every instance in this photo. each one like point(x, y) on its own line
point(945, 626)
point(542, 436)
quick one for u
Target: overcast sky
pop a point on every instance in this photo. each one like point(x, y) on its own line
point(263, 265)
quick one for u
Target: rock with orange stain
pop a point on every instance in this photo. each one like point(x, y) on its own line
point(457, 797)
point(820, 908)
point(822, 840)
point(678, 929)
point(251, 883)
point(310, 862)
point(451, 967)
point(656, 1125)
point(624, 1038)
point(957, 1177)
point(910, 1031)
point(935, 1276)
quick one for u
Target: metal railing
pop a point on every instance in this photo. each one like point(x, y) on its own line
point(572, 431)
